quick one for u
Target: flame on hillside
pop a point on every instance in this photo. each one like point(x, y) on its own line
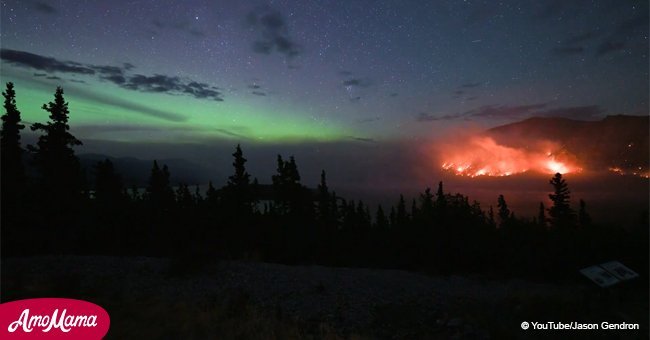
point(483, 156)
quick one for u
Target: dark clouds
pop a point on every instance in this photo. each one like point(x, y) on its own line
point(117, 75)
point(258, 93)
point(159, 83)
point(273, 33)
point(38, 62)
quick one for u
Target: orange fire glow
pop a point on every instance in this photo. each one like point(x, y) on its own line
point(482, 156)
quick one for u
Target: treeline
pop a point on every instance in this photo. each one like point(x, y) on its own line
point(55, 210)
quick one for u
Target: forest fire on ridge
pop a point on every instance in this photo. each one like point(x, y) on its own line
point(483, 156)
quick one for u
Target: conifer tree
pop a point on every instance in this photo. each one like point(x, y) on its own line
point(159, 193)
point(54, 154)
point(11, 152)
point(561, 214)
point(381, 220)
point(401, 217)
point(238, 197)
point(324, 199)
point(504, 212)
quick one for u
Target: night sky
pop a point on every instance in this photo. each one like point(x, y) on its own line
point(295, 71)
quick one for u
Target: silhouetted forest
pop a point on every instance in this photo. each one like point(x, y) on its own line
point(55, 210)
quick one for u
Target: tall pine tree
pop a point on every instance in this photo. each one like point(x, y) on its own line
point(561, 214)
point(54, 154)
point(13, 172)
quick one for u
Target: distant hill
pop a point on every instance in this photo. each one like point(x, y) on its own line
point(616, 141)
point(136, 171)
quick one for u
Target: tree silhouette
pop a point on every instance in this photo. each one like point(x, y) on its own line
point(561, 214)
point(401, 217)
point(159, 193)
point(238, 195)
point(490, 219)
point(291, 198)
point(324, 201)
point(381, 220)
point(54, 154)
point(11, 152)
point(240, 178)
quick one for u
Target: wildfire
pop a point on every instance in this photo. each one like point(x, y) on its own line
point(482, 156)
point(639, 171)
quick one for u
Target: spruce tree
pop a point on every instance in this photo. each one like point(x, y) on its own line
point(504, 212)
point(561, 214)
point(11, 152)
point(401, 218)
point(324, 214)
point(54, 154)
point(381, 220)
point(240, 178)
point(238, 197)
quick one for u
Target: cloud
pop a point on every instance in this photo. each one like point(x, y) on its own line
point(157, 83)
point(355, 99)
point(38, 62)
point(273, 33)
point(40, 74)
point(394, 94)
point(254, 86)
point(53, 78)
point(345, 73)
point(44, 8)
point(258, 93)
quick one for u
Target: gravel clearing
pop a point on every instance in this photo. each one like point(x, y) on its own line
point(347, 298)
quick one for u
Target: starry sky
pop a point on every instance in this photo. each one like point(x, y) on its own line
point(324, 71)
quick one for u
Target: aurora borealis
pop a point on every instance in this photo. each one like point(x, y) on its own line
point(290, 71)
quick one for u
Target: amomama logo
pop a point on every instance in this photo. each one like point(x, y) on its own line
point(52, 318)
